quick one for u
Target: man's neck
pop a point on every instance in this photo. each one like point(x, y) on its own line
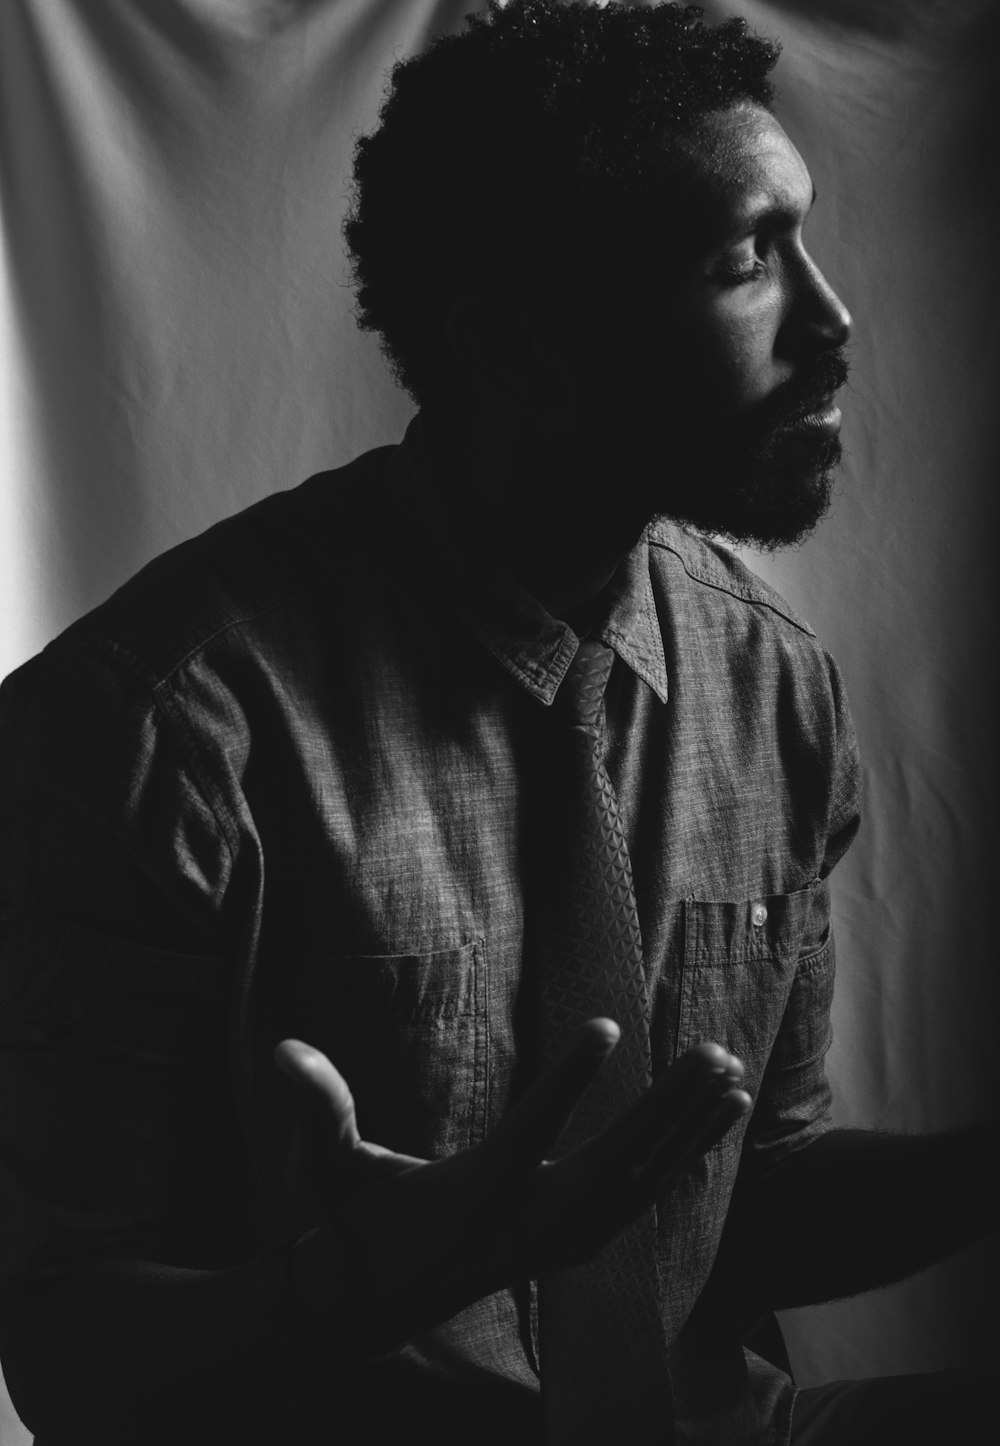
point(543, 502)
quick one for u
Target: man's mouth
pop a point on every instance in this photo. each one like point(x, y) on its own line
point(805, 406)
point(824, 421)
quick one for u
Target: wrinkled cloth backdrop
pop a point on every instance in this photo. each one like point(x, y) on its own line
point(177, 340)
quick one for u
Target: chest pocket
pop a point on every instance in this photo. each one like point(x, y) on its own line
point(740, 966)
point(409, 1034)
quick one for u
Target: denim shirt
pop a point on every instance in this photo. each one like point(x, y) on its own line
point(281, 784)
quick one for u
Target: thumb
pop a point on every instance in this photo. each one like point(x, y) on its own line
point(321, 1090)
point(325, 1128)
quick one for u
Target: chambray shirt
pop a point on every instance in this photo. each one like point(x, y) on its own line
point(283, 783)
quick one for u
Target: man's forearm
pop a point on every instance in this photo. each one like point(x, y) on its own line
point(857, 1210)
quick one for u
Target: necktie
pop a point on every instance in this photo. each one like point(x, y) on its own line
point(602, 1352)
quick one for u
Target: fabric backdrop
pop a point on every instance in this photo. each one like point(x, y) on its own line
point(176, 340)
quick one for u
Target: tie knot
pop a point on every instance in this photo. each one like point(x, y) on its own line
point(582, 690)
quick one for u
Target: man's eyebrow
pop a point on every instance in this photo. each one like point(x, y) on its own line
point(766, 207)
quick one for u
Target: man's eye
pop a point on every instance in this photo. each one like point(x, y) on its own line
point(745, 269)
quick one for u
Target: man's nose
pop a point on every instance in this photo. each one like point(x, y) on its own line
point(818, 318)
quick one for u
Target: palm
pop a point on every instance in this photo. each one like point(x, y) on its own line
point(417, 1240)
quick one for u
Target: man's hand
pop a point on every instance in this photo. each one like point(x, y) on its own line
point(411, 1242)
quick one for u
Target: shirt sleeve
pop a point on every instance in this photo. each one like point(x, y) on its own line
point(114, 969)
point(793, 1101)
point(793, 1105)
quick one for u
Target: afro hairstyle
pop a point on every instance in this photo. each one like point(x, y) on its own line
point(503, 154)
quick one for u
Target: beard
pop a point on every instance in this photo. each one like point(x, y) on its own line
point(761, 478)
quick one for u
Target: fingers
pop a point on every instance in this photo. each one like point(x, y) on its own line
point(320, 1089)
point(592, 1193)
point(686, 1112)
point(528, 1131)
point(695, 1134)
point(688, 1088)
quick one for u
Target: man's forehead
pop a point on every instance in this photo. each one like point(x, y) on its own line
point(739, 162)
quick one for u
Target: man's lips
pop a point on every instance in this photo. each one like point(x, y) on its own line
point(825, 421)
point(802, 409)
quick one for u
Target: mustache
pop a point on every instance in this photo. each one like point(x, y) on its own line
point(810, 390)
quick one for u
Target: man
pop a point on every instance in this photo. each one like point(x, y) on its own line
point(308, 790)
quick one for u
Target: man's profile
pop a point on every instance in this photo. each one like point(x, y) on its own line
point(483, 792)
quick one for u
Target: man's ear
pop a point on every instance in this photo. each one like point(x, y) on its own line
point(516, 351)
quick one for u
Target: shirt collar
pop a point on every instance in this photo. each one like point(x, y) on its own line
point(459, 558)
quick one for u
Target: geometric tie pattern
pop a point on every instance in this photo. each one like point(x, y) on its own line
point(603, 1358)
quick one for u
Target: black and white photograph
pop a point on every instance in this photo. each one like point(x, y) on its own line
point(498, 743)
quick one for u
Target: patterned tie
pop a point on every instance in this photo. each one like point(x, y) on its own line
point(603, 1355)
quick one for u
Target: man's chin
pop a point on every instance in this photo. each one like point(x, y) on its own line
point(767, 503)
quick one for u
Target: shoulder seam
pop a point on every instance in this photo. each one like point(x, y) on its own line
point(754, 596)
point(160, 702)
point(155, 678)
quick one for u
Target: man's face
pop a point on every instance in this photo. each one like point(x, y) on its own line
point(718, 404)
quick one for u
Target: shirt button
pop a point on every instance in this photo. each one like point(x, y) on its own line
point(758, 914)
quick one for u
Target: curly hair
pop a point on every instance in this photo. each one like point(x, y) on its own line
point(504, 154)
